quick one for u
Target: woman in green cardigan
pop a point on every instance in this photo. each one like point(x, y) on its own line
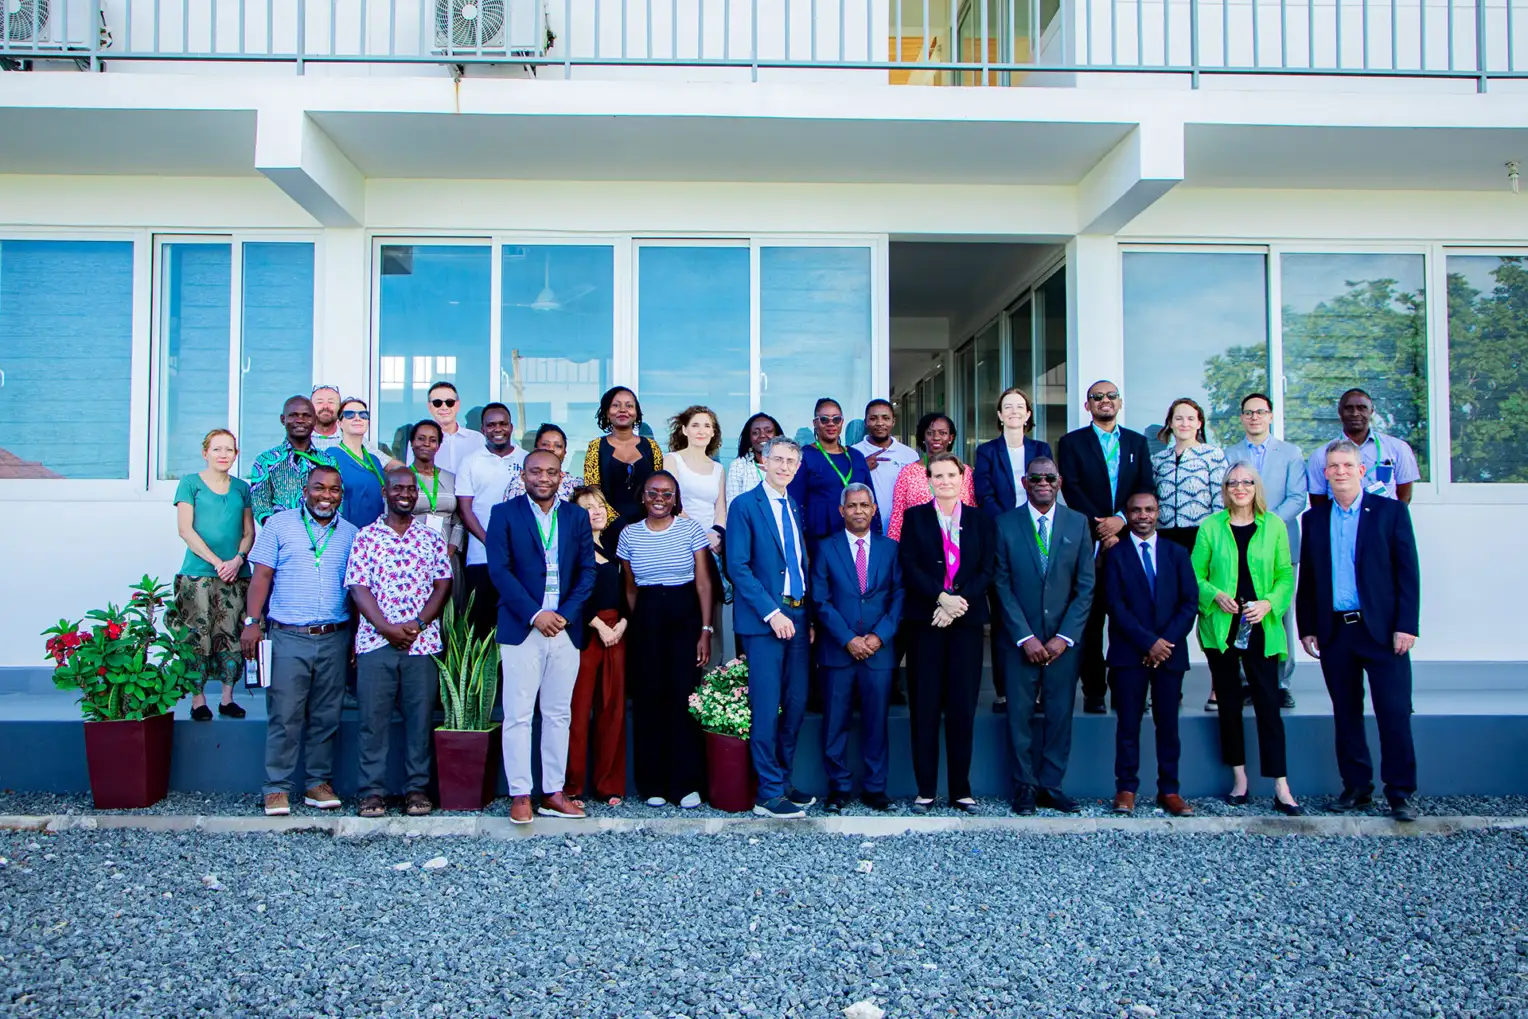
point(1241, 558)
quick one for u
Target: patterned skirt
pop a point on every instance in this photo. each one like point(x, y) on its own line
point(212, 610)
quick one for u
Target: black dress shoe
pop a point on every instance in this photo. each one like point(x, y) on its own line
point(231, 710)
point(1058, 800)
point(1238, 801)
point(921, 808)
point(876, 801)
point(1094, 706)
point(836, 803)
point(1024, 801)
point(201, 714)
point(1286, 700)
point(1352, 799)
point(1288, 809)
point(1000, 706)
point(1403, 810)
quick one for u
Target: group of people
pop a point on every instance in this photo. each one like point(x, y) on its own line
point(838, 562)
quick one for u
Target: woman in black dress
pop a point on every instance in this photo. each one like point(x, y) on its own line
point(621, 460)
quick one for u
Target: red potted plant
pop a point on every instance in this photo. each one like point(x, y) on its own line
point(720, 704)
point(468, 748)
point(130, 670)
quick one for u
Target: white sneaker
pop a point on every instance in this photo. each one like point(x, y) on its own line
point(690, 801)
point(656, 801)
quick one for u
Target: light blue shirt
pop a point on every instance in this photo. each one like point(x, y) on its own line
point(548, 524)
point(1376, 450)
point(1344, 555)
point(1260, 454)
point(305, 592)
point(1108, 442)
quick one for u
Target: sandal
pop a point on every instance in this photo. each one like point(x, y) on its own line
point(614, 801)
point(417, 804)
point(373, 806)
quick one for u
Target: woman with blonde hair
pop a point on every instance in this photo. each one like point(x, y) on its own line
point(215, 519)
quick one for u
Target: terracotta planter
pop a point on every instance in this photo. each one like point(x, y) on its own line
point(129, 762)
point(729, 765)
point(468, 764)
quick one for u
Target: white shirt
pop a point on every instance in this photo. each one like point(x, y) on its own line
point(456, 448)
point(777, 504)
point(1152, 541)
point(1049, 516)
point(485, 478)
point(699, 492)
point(547, 522)
point(1016, 459)
point(883, 476)
point(327, 441)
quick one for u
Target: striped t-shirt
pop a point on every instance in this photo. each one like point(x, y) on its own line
point(665, 557)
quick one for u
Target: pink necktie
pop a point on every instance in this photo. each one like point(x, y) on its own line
point(861, 565)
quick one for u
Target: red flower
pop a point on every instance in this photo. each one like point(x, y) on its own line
point(113, 630)
point(101, 671)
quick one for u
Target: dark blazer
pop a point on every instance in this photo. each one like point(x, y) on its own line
point(1137, 618)
point(756, 560)
point(1085, 476)
point(997, 490)
point(817, 488)
point(921, 551)
point(845, 613)
point(1057, 602)
point(1385, 566)
point(517, 566)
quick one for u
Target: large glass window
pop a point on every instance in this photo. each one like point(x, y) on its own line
point(195, 322)
point(1196, 325)
point(558, 338)
point(694, 335)
point(276, 320)
point(965, 380)
point(434, 325)
point(814, 333)
point(1050, 369)
point(1488, 368)
point(66, 353)
point(1354, 320)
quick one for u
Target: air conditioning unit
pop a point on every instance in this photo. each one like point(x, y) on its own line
point(40, 26)
point(513, 28)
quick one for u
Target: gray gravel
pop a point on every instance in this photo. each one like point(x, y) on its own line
point(766, 923)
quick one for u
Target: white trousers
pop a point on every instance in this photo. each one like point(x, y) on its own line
point(546, 667)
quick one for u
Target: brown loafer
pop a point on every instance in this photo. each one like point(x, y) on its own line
point(277, 805)
point(520, 810)
point(373, 806)
point(1175, 805)
point(558, 805)
point(1124, 802)
point(417, 804)
point(321, 796)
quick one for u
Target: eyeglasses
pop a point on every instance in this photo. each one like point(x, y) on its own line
point(1256, 413)
point(443, 403)
point(1048, 479)
point(1240, 483)
point(787, 460)
point(364, 415)
point(826, 419)
point(1112, 394)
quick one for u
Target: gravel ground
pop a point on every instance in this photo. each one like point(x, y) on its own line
point(764, 923)
point(235, 804)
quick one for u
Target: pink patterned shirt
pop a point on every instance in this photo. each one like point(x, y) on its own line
point(400, 573)
point(912, 489)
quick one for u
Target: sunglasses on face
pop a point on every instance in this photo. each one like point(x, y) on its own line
point(442, 403)
point(364, 415)
point(830, 419)
point(1049, 479)
point(1112, 394)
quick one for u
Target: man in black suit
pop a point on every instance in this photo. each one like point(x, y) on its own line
point(1153, 600)
point(1358, 606)
point(1044, 588)
point(1104, 464)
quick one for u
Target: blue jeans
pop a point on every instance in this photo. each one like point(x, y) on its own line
point(777, 682)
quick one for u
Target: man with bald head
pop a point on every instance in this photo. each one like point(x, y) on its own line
point(280, 474)
point(1104, 464)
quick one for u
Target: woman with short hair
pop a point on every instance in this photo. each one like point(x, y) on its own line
point(827, 468)
point(935, 435)
point(551, 439)
point(747, 470)
point(361, 470)
point(621, 459)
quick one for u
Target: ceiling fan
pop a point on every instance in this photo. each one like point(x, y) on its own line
point(548, 299)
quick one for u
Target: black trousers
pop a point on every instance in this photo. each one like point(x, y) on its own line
point(1095, 676)
point(485, 601)
point(1345, 659)
point(670, 751)
point(1130, 686)
point(1226, 668)
point(944, 674)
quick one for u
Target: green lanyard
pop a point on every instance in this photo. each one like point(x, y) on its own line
point(315, 461)
point(433, 492)
point(318, 549)
point(547, 536)
point(843, 477)
point(365, 460)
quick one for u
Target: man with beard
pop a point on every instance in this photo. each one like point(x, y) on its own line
point(297, 596)
point(326, 417)
point(280, 474)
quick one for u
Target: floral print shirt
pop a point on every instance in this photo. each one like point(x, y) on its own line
point(400, 573)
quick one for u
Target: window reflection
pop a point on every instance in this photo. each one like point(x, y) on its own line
point(278, 339)
point(195, 296)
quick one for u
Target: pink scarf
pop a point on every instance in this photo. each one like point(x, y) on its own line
point(951, 550)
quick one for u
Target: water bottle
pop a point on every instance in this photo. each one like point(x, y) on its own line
point(1244, 629)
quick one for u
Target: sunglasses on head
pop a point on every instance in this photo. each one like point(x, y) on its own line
point(447, 402)
point(1049, 479)
point(364, 415)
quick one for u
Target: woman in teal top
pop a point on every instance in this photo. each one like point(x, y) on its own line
point(1246, 582)
point(218, 526)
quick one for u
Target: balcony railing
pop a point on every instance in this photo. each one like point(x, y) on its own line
point(934, 42)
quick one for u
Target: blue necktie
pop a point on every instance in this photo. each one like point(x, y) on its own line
point(788, 544)
point(1151, 571)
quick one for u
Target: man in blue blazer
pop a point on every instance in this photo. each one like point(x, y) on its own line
point(541, 559)
point(767, 564)
point(1153, 599)
point(1000, 464)
point(857, 598)
point(1282, 467)
point(1359, 601)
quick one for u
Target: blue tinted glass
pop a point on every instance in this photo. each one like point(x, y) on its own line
point(814, 326)
point(278, 340)
point(558, 339)
point(434, 326)
point(195, 284)
point(66, 354)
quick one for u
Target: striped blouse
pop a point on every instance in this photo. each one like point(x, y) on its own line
point(666, 557)
point(1188, 487)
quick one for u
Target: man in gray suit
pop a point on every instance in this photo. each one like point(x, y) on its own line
point(1044, 587)
point(1282, 466)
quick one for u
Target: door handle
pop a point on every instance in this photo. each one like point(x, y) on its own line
point(763, 382)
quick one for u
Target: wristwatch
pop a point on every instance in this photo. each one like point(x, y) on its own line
point(254, 621)
point(709, 629)
point(419, 622)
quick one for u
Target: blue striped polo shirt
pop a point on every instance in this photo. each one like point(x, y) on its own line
point(304, 593)
point(665, 557)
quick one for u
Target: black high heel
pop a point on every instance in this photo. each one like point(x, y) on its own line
point(1238, 801)
point(1288, 809)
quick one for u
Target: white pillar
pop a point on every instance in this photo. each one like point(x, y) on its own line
point(1094, 326)
point(342, 348)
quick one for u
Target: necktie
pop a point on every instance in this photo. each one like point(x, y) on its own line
point(1151, 571)
point(1042, 539)
point(788, 544)
point(861, 564)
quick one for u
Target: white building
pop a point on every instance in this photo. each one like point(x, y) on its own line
point(208, 206)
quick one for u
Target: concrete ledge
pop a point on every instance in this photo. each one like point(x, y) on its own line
point(880, 827)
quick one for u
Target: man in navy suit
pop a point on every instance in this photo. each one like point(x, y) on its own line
point(857, 599)
point(767, 563)
point(541, 559)
point(1153, 601)
point(1358, 604)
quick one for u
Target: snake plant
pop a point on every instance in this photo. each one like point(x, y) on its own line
point(469, 672)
